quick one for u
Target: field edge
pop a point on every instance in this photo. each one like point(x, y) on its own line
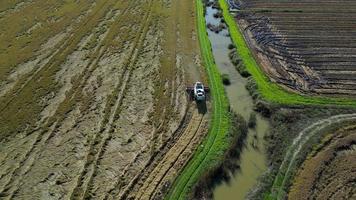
point(269, 91)
point(210, 152)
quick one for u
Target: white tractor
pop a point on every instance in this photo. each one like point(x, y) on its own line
point(198, 91)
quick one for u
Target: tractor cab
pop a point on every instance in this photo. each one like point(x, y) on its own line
point(197, 92)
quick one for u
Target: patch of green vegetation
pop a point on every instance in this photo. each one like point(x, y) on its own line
point(231, 46)
point(225, 79)
point(237, 62)
point(268, 90)
point(252, 120)
point(210, 153)
point(222, 172)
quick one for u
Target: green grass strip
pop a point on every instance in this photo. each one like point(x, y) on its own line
point(272, 91)
point(214, 145)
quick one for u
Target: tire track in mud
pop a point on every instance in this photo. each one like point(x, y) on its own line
point(56, 60)
point(97, 144)
point(71, 96)
point(298, 143)
point(162, 164)
point(151, 163)
point(14, 8)
point(62, 53)
point(118, 185)
point(82, 188)
point(160, 154)
point(83, 78)
point(171, 157)
point(181, 185)
point(10, 186)
point(47, 50)
point(34, 151)
point(152, 181)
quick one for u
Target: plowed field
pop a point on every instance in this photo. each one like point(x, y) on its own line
point(92, 97)
point(305, 46)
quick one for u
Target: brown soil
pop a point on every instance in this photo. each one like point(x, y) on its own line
point(305, 46)
point(92, 101)
point(329, 171)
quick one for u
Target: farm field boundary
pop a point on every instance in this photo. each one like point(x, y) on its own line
point(212, 148)
point(268, 90)
point(279, 187)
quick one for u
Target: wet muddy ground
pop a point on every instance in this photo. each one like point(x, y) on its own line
point(252, 162)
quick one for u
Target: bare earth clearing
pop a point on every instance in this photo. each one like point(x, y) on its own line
point(92, 97)
point(306, 46)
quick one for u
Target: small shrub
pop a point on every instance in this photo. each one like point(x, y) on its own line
point(252, 120)
point(242, 70)
point(251, 87)
point(221, 26)
point(264, 108)
point(216, 5)
point(236, 61)
point(218, 15)
point(207, 3)
point(225, 79)
point(231, 46)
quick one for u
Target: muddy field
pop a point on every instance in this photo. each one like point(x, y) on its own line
point(306, 46)
point(329, 171)
point(92, 97)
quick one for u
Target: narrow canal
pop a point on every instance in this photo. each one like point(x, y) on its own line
point(253, 157)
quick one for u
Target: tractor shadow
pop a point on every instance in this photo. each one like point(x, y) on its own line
point(201, 106)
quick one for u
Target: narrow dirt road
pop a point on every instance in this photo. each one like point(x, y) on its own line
point(92, 101)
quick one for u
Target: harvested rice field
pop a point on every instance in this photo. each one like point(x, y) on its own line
point(92, 97)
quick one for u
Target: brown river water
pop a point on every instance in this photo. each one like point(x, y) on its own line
point(252, 159)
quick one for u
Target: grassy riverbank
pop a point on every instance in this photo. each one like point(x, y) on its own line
point(211, 152)
point(268, 90)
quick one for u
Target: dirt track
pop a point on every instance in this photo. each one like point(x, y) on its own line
point(329, 171)
point(92, 98)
